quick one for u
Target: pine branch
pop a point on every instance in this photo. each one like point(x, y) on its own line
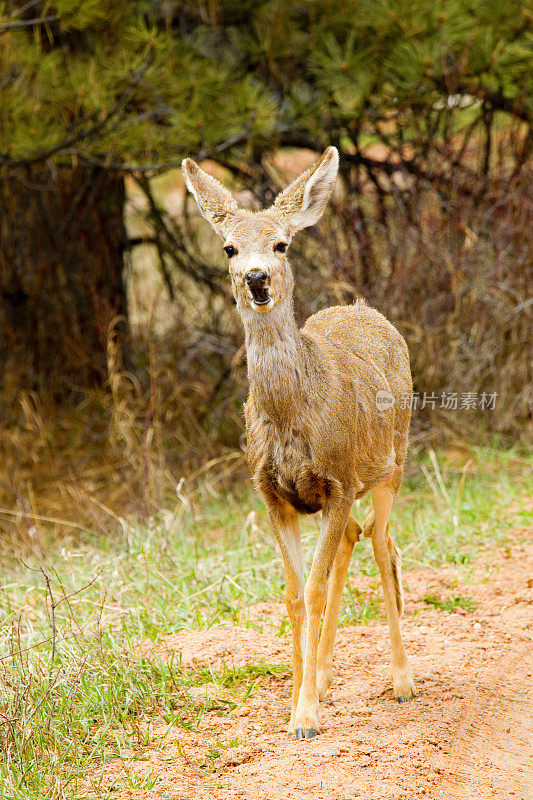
point(494, 97)
point(119, 105)
point(151, 170)
point(106, 162)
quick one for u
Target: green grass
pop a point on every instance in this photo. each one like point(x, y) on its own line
point(74, 691)
point(450, 603)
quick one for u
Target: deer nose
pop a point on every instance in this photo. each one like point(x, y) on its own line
point(256, 278)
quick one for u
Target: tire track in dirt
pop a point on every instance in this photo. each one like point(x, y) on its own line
point(492, 754)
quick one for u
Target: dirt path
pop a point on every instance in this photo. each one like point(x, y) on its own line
point(468, 735)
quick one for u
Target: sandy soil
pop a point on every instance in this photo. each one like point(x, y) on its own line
point(468, 734)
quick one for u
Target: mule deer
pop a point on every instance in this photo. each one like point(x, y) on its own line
point(316, 438)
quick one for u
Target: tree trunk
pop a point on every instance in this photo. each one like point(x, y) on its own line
point(62, 238)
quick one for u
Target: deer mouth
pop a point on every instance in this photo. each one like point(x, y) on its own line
point(260, 300)
point(260, 295)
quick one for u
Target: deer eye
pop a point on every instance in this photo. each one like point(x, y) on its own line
point(230, 251)
point(280, 247)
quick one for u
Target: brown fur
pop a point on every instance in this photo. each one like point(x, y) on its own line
point(316, 437)
point(312, 423)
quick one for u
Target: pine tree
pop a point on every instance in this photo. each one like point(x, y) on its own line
point(94, 90)
point(88, 92)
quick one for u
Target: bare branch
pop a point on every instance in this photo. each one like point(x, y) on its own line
point(27, 23)
point(52, 623)
point(26, 7)
point(171, 244)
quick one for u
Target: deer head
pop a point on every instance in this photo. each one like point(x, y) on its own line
point(256, 243)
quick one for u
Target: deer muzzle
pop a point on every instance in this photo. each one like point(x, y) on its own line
point(257, 282)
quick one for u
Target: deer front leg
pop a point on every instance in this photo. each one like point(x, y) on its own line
point(334, 520)
point(336, 582)
point(286, 529)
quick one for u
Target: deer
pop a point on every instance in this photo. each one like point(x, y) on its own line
point(317, 436)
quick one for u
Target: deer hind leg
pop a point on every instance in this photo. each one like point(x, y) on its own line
point(394, 555)
point(286, 529)
point(334, 521)
point(389, 563)
point(336, 583)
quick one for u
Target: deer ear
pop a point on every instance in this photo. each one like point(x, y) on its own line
point(214, 201)
point(304, 201)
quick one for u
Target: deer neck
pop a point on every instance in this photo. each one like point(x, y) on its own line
point(284, 366)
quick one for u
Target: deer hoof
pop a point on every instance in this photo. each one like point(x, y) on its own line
point(305, 733)
point(403, 699)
